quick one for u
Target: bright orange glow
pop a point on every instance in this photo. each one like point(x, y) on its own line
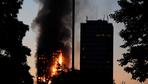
point(57, 63)
point(49, 82)
point(54, 70)
point(60, 59)
point(43, 79)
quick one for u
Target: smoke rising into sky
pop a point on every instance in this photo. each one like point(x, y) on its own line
point(94, 9)
point(54, 21)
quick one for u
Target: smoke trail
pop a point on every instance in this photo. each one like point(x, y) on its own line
point(54, 21)
point(80, 5)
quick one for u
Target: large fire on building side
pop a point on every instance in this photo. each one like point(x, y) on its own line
point(54, 21)
point(56, 65)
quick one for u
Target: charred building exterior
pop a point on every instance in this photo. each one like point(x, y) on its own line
point(96, 57)
point(44, 66)
point(43, 69)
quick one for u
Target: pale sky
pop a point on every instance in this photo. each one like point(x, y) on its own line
point(27, 14)
point(94, 9)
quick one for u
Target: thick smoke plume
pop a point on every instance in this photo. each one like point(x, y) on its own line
point(55, 22)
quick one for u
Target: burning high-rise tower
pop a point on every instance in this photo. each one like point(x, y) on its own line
point(54, 21)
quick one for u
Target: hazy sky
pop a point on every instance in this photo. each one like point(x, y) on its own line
point(27, 14)
point(94, 9)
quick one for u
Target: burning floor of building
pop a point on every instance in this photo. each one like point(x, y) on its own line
point(49, 68)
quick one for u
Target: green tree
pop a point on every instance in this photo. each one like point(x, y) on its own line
point(13, 55)
point(133, 13)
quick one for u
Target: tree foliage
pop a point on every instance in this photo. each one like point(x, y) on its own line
point(133, 13)
point(13, 55)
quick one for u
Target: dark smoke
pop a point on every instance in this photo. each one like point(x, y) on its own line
point(54, 21)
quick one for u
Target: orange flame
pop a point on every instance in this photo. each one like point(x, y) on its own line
point(60, 59)
point(54, 70)
point(57, 64)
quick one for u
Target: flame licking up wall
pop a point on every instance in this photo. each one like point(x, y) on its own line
point(58, 64)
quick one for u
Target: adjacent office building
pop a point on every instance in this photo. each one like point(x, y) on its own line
point(96, 52)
